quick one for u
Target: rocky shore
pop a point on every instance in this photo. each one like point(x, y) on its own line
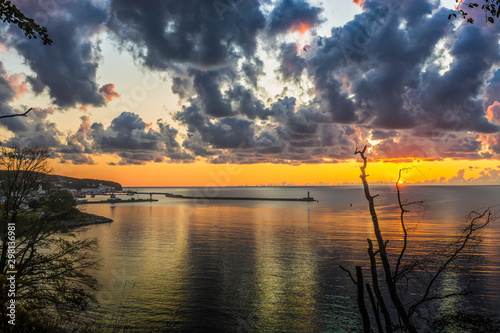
point(85, 219)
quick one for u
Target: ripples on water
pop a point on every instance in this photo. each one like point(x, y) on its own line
point(180, 265)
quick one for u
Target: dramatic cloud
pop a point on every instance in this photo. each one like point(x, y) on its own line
point(293, 15)
point(245, 103)
point(493, 113)
point(43, 113)
point(292, 65)
point(291, 139)
point(78, 144)
point(446, 145)
point(18, 83)
point(252, 70)
point(31, 131)
point(108, 91)
point(129, 137)
point(8, 94)
point(164, 34)
point(181, 87)
point(208, 88)
point(67, 67)
point(452, 100)
point(493, 90)
point(399, 77)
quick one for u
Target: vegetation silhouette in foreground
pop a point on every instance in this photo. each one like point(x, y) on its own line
point(491, 9)
point(52, 269)
point(9, 13)
point(393, 308)
point(25, 114)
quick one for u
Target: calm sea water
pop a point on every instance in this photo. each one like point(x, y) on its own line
point(180, 265)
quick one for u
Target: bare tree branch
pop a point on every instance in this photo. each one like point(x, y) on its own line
point(391, 284)
point(376, 287)
point(350, 275)
point(476, 222)
point(17, 114)
point(403, 226)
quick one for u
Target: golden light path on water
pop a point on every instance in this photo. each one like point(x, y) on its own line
point(263, 266)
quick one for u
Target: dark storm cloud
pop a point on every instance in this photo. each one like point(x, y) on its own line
point(252, 70)
point(35, 133)
point(229, 133)
point(30, 131)
point(78, 143)
point(292, 65)
point(197, 146)
point(139, 158)
point(395, 80)
point(495, 144)
point(247, 104)
point(492, 90)
point(181, 87)
point(399, 72)
point(172, 149)
point(7, 95)
point(293, 15)
point(287, 135)
point(223, 133)
point(452, 99)
point(67, 67)
point(447, 145)
point(36, 84)
point(382, 135)
point(380, 59)
point(129, 137)
point(207, 85)
point(77, 159)
point(126, 132)
point(163, 33)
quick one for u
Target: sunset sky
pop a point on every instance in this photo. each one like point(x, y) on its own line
point(248, 92)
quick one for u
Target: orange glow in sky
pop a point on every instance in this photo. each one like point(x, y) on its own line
point(266, 174)
point(358, 2)
point(294, 84)
point(301, 28)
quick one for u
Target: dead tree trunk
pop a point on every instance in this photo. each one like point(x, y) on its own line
point(375, 308)
point(391, 285)
point(376, 288)
point(361, 300)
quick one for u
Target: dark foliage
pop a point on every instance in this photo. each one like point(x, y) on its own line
point(10, 14)
point(491, 10)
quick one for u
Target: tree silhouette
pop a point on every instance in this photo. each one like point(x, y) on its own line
point(398, 272)
point(17, 114)
point(491, 10)
point(51, 271)
point(11, 14)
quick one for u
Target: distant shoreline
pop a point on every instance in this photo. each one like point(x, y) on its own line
point(125, 188)
point(88, 219)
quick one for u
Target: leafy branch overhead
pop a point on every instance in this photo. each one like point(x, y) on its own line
point(491, 10)
point(10, 14)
